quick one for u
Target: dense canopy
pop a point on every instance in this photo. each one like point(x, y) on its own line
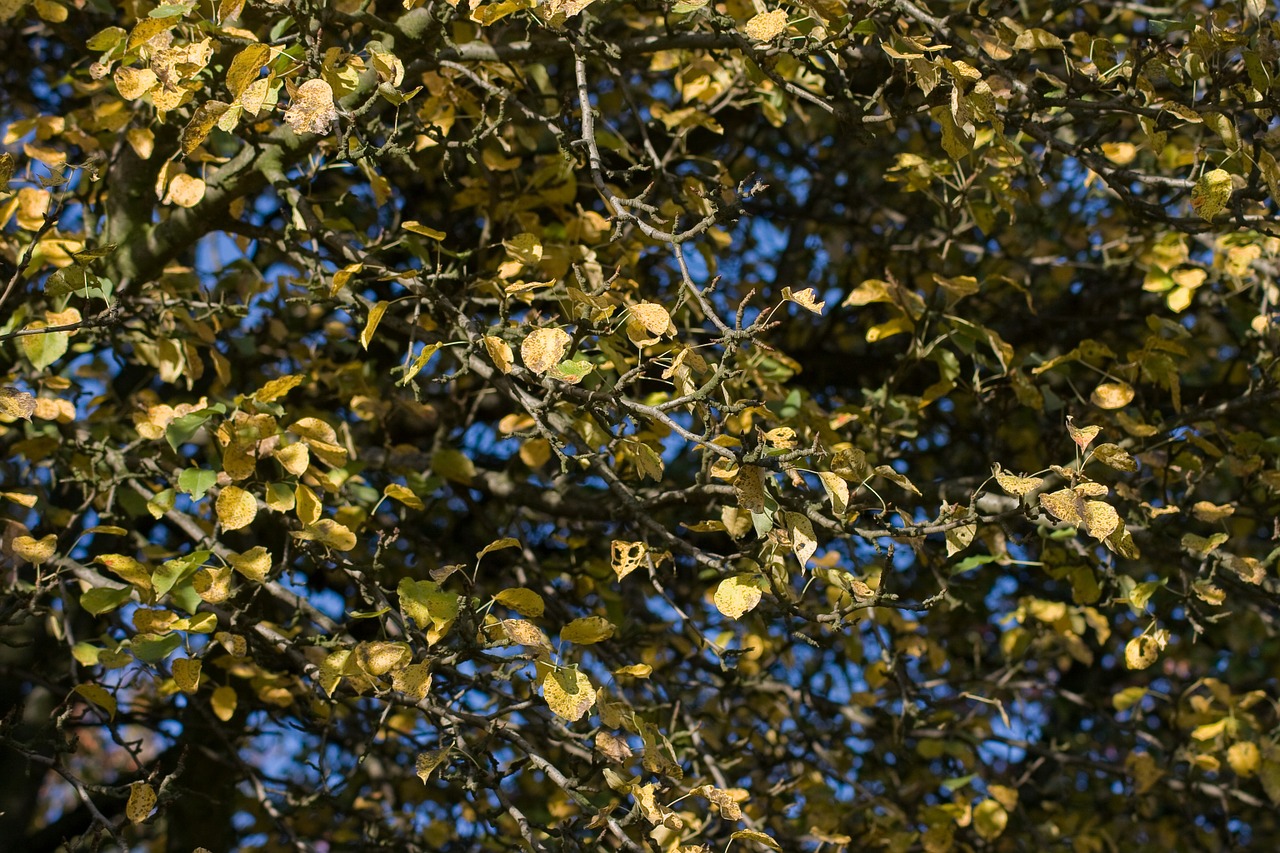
point(635, 425)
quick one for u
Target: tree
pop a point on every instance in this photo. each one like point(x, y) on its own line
point(639, 426)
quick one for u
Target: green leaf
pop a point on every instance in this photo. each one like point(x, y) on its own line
point(182, 429)
point(197, 482)
point(102, 599)
point(153, 648)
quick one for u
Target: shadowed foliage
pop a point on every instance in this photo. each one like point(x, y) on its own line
point(639, 426)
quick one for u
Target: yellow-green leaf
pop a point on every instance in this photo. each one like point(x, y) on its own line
point(415, 227)
point(989, 819)
point(526, 602)
point(1211, 193)
point(587, 630)
point(186, 674)
point(224, 702)
point(99, 696)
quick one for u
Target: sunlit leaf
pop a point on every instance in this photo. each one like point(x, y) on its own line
point(568, 693)
point(312, 109)
point(738, 595)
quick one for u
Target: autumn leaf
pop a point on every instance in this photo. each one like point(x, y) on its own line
point(568, 693)
point(766, 26)
point(738, 595)
point(1211, 193)
point(142, 800)
point(236, 508)
point(587, 630)
point(542, 349)
point(313, 109)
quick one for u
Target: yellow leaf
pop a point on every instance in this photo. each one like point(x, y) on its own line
point(223, 702)
point(342, 277)
point(99, 696)
point(294, 458)
point(587, 630)
point(837, 490)
point(767, 25)
point(497, 545)
point(312, 109)
point(212, 584)
point(245, 67)
point(380, 657)
point(737, 595)
point(371, 326)
point(756, 836)
point(806, 299)
point(568, 693)
point(185, 191)
point(35, 550)
point(1120, 153)
point(403, 494)
point(525, 633)
point(413, 681)
point(803, 541)
point(544, 348)
point(1100, 519)
point(415, 227)
point(1064, 505)
point(453, 465)
point(1115, 456)
point(989, 819)
point(1244, 758)
point(749, 488)
point(1112, 395)
point(526, 602)
point(142, 799)
point(1141, 652)
point(420, 361)
point(236, 508)
point(306, 505)
point(626, 557)
point(499, 353)
point(186, 673)
point(1016, 486)
point(127, 568)
point(427, 762)
point(202, 122)
point(535, 452)
point(254, 564)
point(16, 403)
point(133, 83)
point(653, 317)
point(330, 533)
point(1211, 512)
point(635, 670)
point(278, 387)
